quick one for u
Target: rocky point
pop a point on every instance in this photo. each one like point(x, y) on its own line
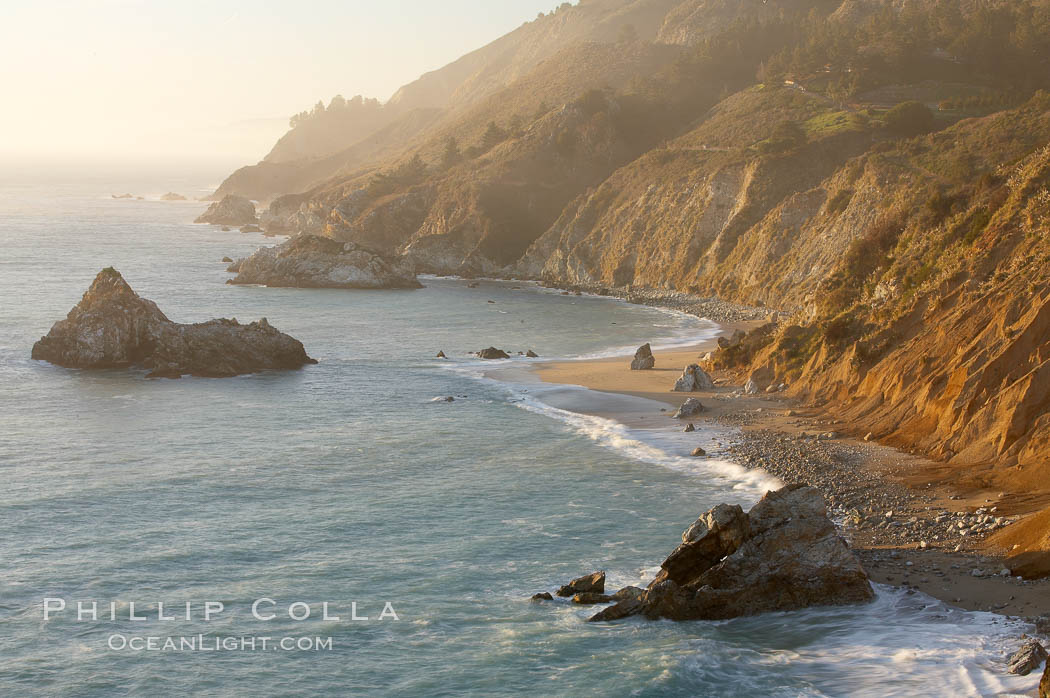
point(310, 261)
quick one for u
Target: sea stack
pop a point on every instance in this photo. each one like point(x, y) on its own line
point(113, 327)
point(232, 210)
point(643, 358)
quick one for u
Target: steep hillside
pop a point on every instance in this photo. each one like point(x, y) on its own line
point(674, 217)
point(932, 332)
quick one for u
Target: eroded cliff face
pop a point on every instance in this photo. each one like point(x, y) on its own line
point(922, 294)
point(964, 368)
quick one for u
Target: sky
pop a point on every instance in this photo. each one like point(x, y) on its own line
point(128, 79)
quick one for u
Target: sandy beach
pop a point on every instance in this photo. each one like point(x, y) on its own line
point(908, 531)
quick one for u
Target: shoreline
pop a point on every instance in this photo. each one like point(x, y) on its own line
point(908, 533)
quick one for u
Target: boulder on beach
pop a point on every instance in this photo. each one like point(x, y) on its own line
point(590, 583)
point(783, 555)
point(1024, 661)
point(112, 327)
point(232, 210)
point(690, 408)
point(643, 359)
point(693, 379)
point(310, 261)
point(493, 353)
point(531, 354)
point(172, 196)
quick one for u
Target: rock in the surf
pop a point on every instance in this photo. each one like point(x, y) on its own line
point(693, 379)
point(232, 210)
point(112, 327)
point(643, 359)
point(783, 555)
point(543, 596)
point(530, 354)
point(594, 583)
point(697, 452)
point(1044, 685)
point(493, 353)
point(690, 408)
point(589, 598)
point(1027, 659)
point(311, 261)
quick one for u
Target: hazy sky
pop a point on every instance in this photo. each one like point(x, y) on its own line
point(220, 78)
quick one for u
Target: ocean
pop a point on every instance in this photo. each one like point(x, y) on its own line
point(353, 483)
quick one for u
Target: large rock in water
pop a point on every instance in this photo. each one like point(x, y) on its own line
point(113, 327)
point(693, 379)
point(232, 210)
point(1044, 685)
point(643, 359)
point(785, 554)
point(310, 261)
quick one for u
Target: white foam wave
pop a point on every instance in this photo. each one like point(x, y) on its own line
point(631, 442)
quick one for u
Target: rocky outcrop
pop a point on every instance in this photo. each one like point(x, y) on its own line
point(1044, 685)
point(693, 379)
point(493, 353)
point(232, 210)
point(1024, 661)
point(593, 583)
point(112, 327)
point(172, 196)
point(643, 359)
point(690, 408)
point(784, 555)
point(309, 261)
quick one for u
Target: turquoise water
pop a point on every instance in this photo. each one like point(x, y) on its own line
point(346, 482)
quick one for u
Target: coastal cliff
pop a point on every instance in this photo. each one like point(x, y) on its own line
point(875, 171)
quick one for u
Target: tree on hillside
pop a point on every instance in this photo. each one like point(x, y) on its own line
point(909, 119)
point(493, 136)
point(452, 155)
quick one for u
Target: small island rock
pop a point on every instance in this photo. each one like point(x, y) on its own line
point(112, 327)
point(232, 210)
point(172, 196)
